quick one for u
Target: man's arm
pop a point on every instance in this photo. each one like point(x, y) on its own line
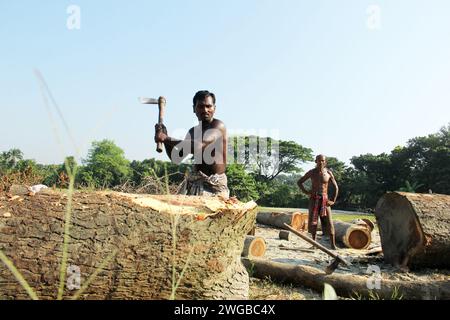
point(194, 141)
point(336, 189)
point(302, 180)
point(169, 142)
point(197, 141)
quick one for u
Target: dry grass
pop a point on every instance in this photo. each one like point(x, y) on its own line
point(268, 290)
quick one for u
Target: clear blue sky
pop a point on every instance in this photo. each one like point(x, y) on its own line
point(313, 70)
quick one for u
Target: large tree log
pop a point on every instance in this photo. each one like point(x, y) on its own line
point(346, 285)
point(153, 236)
point(298, 220)
point(353, 236)
point(415, 229)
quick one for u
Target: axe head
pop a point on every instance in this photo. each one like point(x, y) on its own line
point(332, 267)
point(148, 100)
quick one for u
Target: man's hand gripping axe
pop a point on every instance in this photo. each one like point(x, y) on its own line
point(161, 102)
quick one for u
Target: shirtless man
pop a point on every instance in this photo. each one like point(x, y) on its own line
point(319, 205)
point(207, 142)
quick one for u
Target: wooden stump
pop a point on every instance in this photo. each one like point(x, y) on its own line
point(153, 236)
point(298, 220)
point(415, 229)
point(284, 235)
point(254, 247)
point(352, 235)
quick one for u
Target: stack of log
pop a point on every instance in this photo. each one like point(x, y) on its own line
point(355, 235)
point(415, 229)
point(152, 235)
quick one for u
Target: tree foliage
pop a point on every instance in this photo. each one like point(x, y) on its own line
point(267, 158)
point(106, 165)
point(241, 184)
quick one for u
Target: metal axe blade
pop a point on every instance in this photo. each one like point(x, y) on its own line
point(148, 100)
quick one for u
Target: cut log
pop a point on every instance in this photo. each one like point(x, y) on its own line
point(415, 229)
point(367, 223)
point(254, 247)
point(284, 235)
point(353, 236)
point(347, 285)
point(154, 236)
point(298, 220)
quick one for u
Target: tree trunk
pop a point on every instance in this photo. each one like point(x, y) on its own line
point(254, 247)
point(347, 285)
point(298, 220)
point(154, 236)
point(415, 229)
point(353, 236)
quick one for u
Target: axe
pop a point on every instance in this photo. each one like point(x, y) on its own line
point(337, 258)
point(161, 102)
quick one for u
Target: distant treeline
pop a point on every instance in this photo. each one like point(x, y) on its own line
point(423, 165)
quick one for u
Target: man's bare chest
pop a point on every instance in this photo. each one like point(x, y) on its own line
point(321, 177)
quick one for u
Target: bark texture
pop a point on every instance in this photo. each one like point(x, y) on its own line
point(153, 236)
point(415, 229)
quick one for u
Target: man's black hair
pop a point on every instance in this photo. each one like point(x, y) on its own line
point(201, 95)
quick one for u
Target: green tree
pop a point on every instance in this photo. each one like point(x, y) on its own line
point(429, 161)
point(242, 185)
point(105, 166)
point(9, 159)
point(410, 187)
point(152, 167)
point(266, 158)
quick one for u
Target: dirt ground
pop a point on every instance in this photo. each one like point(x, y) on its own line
point(297, 251)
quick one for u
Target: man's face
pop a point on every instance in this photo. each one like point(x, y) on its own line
point(204, 109)
point(321, 162)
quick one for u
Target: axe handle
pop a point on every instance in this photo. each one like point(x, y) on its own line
point(317, 245)
point(161, 107)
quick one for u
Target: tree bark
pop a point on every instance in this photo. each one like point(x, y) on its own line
point(353, 236)
point(415, 229)
point(346, 285)
point(254, 247)
point(154, 236)
point(298, 220)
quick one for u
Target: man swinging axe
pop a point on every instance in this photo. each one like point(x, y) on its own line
point(207, 142)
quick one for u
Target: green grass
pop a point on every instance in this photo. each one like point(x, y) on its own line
point(336, 216)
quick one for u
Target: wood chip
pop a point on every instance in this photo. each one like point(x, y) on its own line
point(15, 198)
